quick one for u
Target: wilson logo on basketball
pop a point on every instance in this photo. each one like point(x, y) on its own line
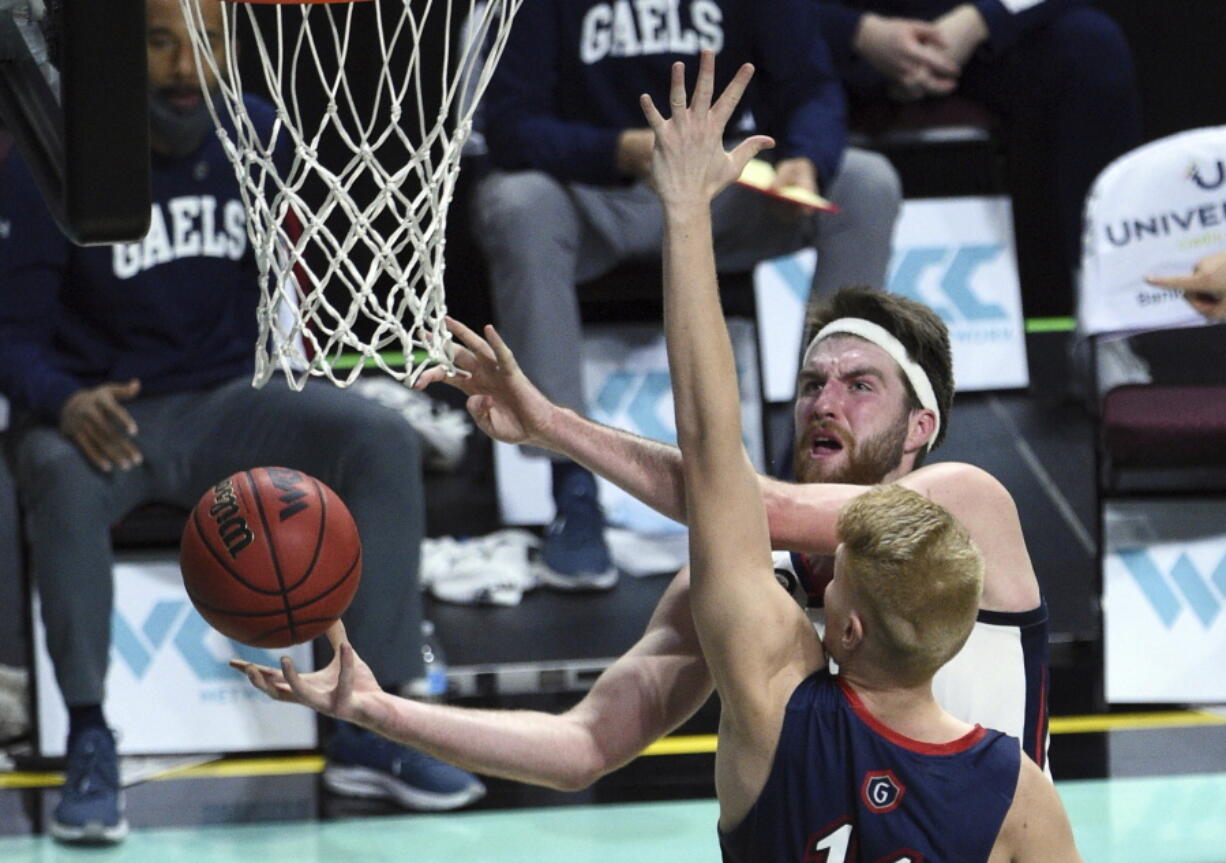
point(288, 482)
point(231, 527)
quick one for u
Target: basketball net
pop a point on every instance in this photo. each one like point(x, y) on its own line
point(350, 253)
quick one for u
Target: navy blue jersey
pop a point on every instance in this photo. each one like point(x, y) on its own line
point(570, 78)
point(176, 309)
point(998, 679)
point(845, 788)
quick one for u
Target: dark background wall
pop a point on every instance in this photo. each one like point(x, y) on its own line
point(1181, 64)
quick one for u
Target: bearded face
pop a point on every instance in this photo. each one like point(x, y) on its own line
point(828, 452)
point(852, 414)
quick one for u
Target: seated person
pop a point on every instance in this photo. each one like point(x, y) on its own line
point(565, 201)
point(129, 369)
point(1057, 73)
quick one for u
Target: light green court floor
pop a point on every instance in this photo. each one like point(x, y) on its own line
point(1147, 820)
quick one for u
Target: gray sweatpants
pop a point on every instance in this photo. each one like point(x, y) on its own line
point(542, 236)
point(367, 453)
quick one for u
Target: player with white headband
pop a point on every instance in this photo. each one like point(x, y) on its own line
point(873, 397)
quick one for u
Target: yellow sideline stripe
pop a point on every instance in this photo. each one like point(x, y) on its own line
point(1134, 721)
point(681, 744)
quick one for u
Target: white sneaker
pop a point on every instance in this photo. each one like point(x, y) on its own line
point(444, 429)
point(488, 570)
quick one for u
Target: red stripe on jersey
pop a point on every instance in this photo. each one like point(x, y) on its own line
point(961, 744)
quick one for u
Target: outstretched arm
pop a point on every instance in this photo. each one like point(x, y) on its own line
point(508, 407)
point(757, 642)
point(654, 687)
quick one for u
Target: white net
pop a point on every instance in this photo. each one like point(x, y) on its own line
point(347, 193)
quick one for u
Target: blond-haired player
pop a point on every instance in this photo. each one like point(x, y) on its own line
point(867, 764)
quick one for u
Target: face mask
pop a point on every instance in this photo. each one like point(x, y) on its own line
point(177, 133)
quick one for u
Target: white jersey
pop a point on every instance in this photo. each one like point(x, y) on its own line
point(999, 679)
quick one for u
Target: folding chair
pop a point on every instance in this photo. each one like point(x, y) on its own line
point(1161, 444)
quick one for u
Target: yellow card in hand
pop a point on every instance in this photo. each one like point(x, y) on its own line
point(760, 175)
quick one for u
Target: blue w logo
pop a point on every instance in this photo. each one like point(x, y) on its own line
point(957, 268)
point(1184, 584)
point(637, 396)
point(175, 623)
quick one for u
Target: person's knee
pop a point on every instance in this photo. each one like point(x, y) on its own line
point(1091, 51)
point(520, 202)
point(48, 462)
point(869, 184)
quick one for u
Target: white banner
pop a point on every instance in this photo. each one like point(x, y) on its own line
point(169, 689)
point(1154, 211)
point(626, 383)
point(955, 255)
point(1164, 621)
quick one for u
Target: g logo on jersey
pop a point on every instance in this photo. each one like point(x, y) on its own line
point(881, 791)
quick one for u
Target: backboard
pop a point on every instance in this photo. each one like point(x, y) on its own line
point(74, 98)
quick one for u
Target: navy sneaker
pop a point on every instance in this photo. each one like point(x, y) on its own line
point(574, 555)
point(363, 764)
point(90, 810)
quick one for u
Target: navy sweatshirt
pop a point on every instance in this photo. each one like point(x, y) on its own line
point(176, 310)
point(569, 80)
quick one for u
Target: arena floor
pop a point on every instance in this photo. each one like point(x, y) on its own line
point(1162, 802)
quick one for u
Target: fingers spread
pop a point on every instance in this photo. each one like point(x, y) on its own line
point(749, 148)
point(470, 339)
point(654, 120)
point(676, 90)
point(291, 677)
point(731, 97)
point(344, 682)
point(705, 87)
point(337, 635)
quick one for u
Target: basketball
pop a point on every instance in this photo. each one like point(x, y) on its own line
point(270, 557)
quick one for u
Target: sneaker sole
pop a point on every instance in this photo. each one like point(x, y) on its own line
point(90, 834)
point(375, 784)
point(579, 581)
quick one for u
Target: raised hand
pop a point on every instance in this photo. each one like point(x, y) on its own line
point(1205, 289)
point(689, 164)
point(345, 688)
point(501, 400)
point(95, 420)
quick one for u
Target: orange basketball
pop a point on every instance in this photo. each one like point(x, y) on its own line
point(270, 557)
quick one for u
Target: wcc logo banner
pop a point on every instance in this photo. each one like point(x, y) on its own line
point(954, 255)
point(1156, 210)
point(1164, 620)
point(169, 688)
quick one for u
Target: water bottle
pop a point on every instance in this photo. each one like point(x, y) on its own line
point(432, 686)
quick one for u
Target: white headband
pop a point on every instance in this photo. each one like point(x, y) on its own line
point(884, 339)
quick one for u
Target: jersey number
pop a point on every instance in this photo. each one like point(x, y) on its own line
point(832, 847)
